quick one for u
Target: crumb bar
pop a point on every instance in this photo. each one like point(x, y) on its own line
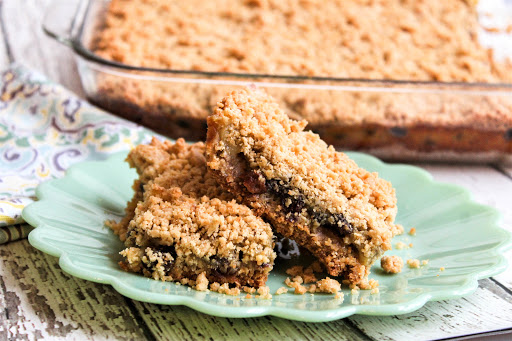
point(310, 193)
point(181, 226)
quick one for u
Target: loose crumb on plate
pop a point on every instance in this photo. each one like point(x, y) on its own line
point(400, 246)
point(424, 262)
point(307, 274)
point(339, 295)
point(413, 263)
point(249, 290)
point(441, 268)
point(412, 231)
point(281, 290)
point(392, 264)
point(298, 279)
point(328, 285)
point(299, 288)
point(225, 289)
point(264, 293)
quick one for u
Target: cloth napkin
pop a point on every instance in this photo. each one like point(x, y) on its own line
point(44, 129)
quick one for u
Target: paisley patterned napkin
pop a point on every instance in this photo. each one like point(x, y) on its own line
point(44, 129)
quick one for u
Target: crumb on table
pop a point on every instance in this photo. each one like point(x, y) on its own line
point(412, 231)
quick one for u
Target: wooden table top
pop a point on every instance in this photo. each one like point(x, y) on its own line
point(39, 300)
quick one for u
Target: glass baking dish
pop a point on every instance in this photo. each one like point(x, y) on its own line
point(413, 121)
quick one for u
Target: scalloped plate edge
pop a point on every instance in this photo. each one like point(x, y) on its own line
point(36, 239)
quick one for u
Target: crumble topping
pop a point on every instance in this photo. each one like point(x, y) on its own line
point(419, 40)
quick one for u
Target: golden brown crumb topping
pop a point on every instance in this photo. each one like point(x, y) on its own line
point(185, 207)
point(250, 123)
point(396, 39)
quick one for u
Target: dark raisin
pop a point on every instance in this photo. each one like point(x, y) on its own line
point(343, 226)
point(161, 250)
point(296, 205)
point(291, 206)
point(223, 266)
point(398, 131)
point(148, 266)
point(273, 185)
point(508, 134)
point(318, 216)
point(289, 203)
point(337, 223)
point(167, 249)
point(265, 265)
point(141, 187)
point(253, 183)
point(292, 217)
point(168, 267)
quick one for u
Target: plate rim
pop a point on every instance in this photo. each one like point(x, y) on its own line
point(36, 239)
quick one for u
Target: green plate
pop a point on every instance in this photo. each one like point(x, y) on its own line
point(452, 232)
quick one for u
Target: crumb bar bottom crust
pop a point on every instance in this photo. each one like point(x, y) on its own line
point(181, 225)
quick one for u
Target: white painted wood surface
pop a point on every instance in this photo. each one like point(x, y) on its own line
point(38, 300)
